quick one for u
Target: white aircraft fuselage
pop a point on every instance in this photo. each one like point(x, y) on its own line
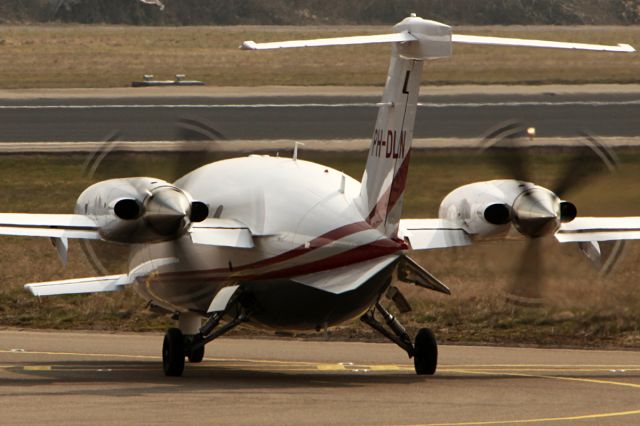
point(305, 218)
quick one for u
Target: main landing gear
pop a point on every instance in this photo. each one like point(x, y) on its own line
point(424, 350)
point(189, 340)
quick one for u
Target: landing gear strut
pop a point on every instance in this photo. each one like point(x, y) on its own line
point(424, 350)
point(177, 346)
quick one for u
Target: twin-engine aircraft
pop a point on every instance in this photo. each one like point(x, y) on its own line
point(287, 244)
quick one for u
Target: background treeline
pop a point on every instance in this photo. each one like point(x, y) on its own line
point(307, 12)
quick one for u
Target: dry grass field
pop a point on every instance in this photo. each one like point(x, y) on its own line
point(43, 56)
point(580, 308)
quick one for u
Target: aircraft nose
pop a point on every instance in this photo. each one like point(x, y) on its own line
point(166, 210)
point(537, 212)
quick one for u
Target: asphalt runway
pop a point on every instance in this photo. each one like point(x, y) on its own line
point(311, 117)
point(80, 378)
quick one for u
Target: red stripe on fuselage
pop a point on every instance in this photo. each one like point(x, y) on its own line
point(322, 240)
point(369, 251)
point(399, 183)
point(391, 196)
point(379, 248)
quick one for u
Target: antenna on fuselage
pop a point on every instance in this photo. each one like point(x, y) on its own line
point(295, 150)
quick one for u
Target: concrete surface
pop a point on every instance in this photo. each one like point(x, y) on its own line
point(79, 378)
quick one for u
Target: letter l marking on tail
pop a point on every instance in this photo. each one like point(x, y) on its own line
point(406, 83)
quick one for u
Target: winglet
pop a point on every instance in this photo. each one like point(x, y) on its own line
point(62, 247)
point(626, 47)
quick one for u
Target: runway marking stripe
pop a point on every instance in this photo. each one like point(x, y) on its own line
point(525, 104)
point(596, 381)
point(390, 367)
point(541, 365)
point(559, 370)
point(289, 364)
point(330, 367)
point(37, 368)
point(78, 354)
point(540, 376)
point(335, 105)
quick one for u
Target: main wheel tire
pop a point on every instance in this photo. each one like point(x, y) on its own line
point(197, 355)
point(425, 358)
point(173, 353)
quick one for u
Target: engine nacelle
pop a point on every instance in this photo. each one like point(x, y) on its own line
point(501, 208)
point(140, 210)
point(481, 208)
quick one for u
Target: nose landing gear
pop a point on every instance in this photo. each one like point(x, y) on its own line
point(177, 346)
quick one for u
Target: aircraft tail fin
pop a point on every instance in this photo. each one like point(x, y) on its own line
point(385, 175)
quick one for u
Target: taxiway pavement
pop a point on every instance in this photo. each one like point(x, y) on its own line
point(79, 377)
point(311, 117)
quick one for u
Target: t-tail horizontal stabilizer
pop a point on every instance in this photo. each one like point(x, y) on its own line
point(443, 35)
point(335, 41)
point(522, 42)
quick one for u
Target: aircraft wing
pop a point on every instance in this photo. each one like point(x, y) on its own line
point(426, 234)
point(583, 229)
point(48, 225)
point(223, 232)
